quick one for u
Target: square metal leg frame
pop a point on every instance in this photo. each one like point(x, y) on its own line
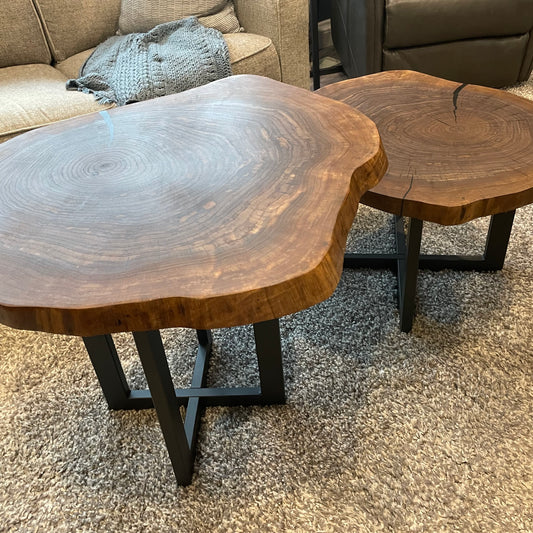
point(407, 259)
point(181, 435)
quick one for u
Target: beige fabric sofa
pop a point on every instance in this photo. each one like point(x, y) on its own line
point(44, 42)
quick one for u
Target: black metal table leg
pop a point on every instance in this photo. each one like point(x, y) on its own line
point(106, 363)
point(408, 252)
point(268, 348)
point(199, 377)
point(493, 257)
point(155, 365)
point(408, 255)
point(498, 237)
point(181, 436)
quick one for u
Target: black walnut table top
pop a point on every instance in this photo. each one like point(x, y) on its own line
point(456, 152)
point(223, 205)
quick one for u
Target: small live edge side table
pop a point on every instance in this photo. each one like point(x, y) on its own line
point(224, 205)
point(456, 152)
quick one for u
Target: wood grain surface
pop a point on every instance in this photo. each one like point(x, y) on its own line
point(224, 205)
point(456, 152)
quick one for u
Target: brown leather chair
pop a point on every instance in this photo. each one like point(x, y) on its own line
point(485, 42)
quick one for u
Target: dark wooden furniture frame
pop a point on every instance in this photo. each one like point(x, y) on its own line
point(318, 10)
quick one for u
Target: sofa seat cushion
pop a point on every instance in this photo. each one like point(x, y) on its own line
point(34, 95)
point(249, 54)
point(411, 23)
point(22, 40)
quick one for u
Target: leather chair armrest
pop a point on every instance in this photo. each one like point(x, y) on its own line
point(527, 64)
point(360, 47)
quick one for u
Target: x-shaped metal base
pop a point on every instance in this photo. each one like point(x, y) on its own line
point(407, 259)
point(181, 435)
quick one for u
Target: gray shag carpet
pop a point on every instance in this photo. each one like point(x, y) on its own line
point(382, 430)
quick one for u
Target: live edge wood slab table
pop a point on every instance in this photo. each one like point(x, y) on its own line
point(456, 152)
point(224, 205)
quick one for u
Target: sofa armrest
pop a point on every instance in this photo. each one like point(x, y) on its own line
point(286, 23)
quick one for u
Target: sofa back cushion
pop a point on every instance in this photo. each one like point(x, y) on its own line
point(22, 40)
point(143, 15)
point(73, 26)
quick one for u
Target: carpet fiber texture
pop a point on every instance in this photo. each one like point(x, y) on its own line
point(382, 430)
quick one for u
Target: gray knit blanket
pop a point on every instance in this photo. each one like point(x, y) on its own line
point(171, 58)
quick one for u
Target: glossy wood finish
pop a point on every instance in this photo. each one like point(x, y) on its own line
point(456, 151)
point(224, 205)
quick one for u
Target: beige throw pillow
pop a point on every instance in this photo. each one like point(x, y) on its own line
point(143, 15)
